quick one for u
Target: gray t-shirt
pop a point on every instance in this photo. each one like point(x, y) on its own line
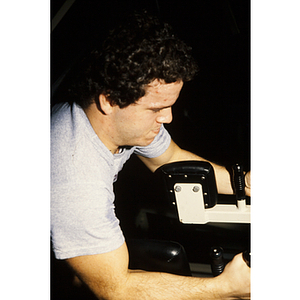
point(83, 170)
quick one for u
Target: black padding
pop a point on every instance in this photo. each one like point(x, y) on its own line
point(192, 167)
point(158, 256)
point(190, 172)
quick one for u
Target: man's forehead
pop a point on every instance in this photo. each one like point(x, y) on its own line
point(160, 86)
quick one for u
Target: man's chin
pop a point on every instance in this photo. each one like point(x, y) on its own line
point(143, 143)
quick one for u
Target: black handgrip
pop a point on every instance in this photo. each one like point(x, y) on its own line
point(247, 258)
point(239, 182)
point(217, 261)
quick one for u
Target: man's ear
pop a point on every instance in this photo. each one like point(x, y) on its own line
point(104, 105)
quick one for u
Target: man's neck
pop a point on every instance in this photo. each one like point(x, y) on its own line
point(100, 124)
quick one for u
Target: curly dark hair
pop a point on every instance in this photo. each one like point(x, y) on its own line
point(132, 56)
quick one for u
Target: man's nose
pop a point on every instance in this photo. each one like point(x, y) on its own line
point(165, 116)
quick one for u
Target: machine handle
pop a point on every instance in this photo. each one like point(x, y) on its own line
point(217, 261)
point(239, 182)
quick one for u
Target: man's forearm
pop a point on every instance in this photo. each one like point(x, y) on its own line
point(175, 153)
point(144, 285)
point(223, 179)
point(151, 285)
point(107, 275)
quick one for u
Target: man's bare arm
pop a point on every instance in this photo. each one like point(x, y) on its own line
point(175, 153)
point(108, 276)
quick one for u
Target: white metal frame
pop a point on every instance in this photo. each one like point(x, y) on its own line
point(191, 207)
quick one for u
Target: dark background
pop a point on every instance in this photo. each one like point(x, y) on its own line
point(211, 117)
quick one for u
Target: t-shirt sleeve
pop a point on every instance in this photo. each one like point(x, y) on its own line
point(81, 224)
point(159, 145)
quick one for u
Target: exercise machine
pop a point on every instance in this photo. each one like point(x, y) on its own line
point(191, 187)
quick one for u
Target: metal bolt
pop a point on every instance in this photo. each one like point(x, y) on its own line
point(177, 188)
point(203, 177)
point(196, 189)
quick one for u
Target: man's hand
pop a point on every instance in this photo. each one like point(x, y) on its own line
point(248, 183)
point(236, 276)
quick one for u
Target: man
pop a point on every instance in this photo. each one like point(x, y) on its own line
point(121, 100)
